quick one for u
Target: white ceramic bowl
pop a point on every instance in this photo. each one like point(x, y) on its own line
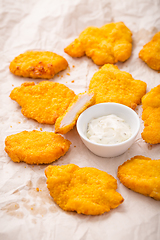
point(102, 109)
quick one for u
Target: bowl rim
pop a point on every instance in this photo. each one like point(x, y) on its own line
point(82, 135)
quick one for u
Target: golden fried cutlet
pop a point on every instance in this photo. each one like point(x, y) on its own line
point(108, 44)
point(43, 102)
point(68, 120)
point(38, 64)
point(152, 98)
point(151, 116)
point(84, 190)
point(35, 147)
point(150, 52)
point(142, 175)
point(112, 85)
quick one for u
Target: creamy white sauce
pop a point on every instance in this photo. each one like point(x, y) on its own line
point(108, 129)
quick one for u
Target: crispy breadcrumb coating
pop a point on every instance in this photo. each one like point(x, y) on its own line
point(142, 175)
point(43, 102)
point(84, 190)
point(68, 120)
point(38, 64)
point(151, 116)
point(112, 85)
point(108, 44)
point(35, 147)
point(150, 52)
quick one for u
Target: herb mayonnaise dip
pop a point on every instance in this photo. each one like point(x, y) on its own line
point(109, 129)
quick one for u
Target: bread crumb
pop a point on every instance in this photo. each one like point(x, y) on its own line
point(41, 129)
point(72, 81)
point(31, 208)
point(37, 189)
point(68, 74)
point(73, 66)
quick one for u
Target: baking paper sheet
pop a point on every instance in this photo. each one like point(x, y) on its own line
point(51, 25)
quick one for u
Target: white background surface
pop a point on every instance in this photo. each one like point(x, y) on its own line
point(52, 25)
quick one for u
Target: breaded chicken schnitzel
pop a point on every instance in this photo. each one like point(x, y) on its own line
point(35, 147)
point(112, 85)
point(84, 190)
point(151, 116)
point(43, 102)
point(109, 44)
point(142, 175)
point(68, 120)
point(150, 52)
point(38, 64)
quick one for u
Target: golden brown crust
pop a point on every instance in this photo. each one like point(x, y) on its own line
point(141, 174)
point(150, 52)
point(151, 116)
point(109, 44)
point(84, 190)
point(36, 147)
point(43, 102)
point(73, 110)
point(112, 85)
point(38, 64)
